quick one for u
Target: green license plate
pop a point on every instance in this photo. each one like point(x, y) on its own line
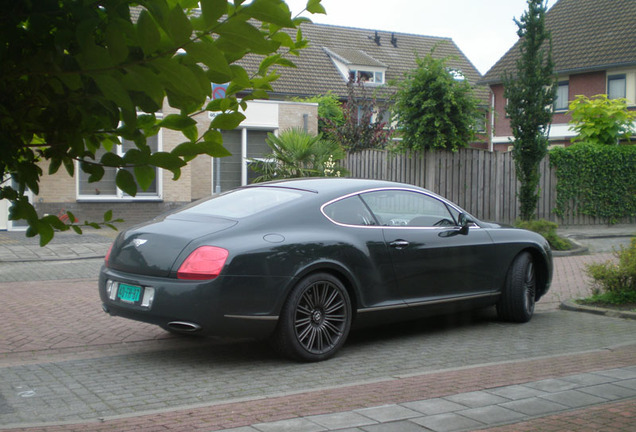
point(129, 293)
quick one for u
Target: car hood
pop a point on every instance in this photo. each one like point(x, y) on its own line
point(153, 248)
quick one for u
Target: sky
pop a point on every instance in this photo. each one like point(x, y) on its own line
point(483, 30)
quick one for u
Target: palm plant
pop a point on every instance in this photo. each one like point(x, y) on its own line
point(296, 153)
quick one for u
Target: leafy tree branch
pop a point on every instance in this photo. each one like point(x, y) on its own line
point(78, 77)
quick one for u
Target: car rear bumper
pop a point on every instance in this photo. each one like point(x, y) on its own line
point(233, 306)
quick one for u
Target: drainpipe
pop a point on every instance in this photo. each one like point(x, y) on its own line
point(491, 146)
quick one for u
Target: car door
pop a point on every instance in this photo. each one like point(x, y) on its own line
point(355, 225)
point(433, 258)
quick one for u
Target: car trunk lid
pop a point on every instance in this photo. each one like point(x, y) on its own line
point(152, 249)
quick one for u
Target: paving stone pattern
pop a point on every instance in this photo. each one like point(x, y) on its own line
point(65, 365)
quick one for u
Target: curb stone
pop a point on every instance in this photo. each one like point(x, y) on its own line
point(578, 249)
point(571, 305)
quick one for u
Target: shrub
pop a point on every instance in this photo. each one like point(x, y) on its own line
point(597, 181)
point(548, 230)
point(616, 279)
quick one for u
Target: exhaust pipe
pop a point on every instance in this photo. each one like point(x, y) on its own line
point(184, 327)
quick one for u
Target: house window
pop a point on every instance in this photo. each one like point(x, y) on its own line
point(616, 86)
point(561, 102)
point(481, 119)
point(366, 76)
point(106, 187)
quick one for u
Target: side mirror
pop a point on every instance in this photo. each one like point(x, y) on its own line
point(464, 221)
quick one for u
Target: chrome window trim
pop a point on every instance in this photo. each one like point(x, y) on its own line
point(427, 193)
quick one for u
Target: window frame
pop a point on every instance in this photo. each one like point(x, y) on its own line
point(560, 108)
point(452, 209)
point(374, 74)
point(617, 77)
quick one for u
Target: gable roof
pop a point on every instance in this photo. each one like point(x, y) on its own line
point(316, 73)
point(587, 35)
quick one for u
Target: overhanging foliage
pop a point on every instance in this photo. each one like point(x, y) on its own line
point(77, 76)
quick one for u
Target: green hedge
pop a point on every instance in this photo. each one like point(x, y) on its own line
point(598, 181)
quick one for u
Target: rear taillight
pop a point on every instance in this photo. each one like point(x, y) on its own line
point(206, 262)
point(107, 257)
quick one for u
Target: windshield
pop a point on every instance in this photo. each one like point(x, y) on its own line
point(244, 202)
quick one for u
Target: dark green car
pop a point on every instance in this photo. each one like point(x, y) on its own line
point(301, 261)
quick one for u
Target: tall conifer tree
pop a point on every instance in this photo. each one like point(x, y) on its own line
point(530, 92)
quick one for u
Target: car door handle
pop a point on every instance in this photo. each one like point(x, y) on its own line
point(399, 244)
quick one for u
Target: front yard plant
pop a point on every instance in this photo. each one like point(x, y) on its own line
point(548, 230)
point(615, 281)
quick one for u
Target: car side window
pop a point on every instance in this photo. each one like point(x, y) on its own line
point(350, 211)
point(408, 208)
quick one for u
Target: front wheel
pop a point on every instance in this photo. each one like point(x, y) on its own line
point(315, 320)
point(519, 292)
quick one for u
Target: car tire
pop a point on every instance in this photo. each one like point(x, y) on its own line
point(518, 296)
point(315, 320)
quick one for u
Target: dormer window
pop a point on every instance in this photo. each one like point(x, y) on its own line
point(357, 66)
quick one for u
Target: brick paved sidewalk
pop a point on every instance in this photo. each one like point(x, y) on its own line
point(543, 375)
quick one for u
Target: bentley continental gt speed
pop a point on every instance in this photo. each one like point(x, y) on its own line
point(302, 261)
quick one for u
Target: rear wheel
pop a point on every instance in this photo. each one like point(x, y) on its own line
point(315, 320)
point(519, 293)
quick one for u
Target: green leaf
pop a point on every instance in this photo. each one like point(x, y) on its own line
point(113, 90)
point(212, 10)
point(54, 166)
point(45, 231)
point(267, 62)
point(240, 36)
point(227, 121)
point(180, 78)
point(108, 215)
point(144, 174)
point(111, 160)
point(179, 27)
point(142, 79)
point(136, 157)
point(215, 149)
point(148, 33)
point(284, 39)
point(270, 11)
point(186, 149)
point(126, 182)
point(96, 173)
point(117, 47)
point(169, 161)
point(314, 7)
point(207, 53)
point(177, 122)
point(191, 133)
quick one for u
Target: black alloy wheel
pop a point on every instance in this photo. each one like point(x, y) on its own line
point(518, 296)
point(316, 319)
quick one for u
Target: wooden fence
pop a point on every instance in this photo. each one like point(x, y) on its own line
point(483, 183)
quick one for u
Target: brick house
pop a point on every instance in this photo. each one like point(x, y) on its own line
point(333, 56)
point(594, 51)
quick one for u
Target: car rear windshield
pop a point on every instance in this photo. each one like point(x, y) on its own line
point(245, 202)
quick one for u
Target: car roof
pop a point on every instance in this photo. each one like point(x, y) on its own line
point(333, 185)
